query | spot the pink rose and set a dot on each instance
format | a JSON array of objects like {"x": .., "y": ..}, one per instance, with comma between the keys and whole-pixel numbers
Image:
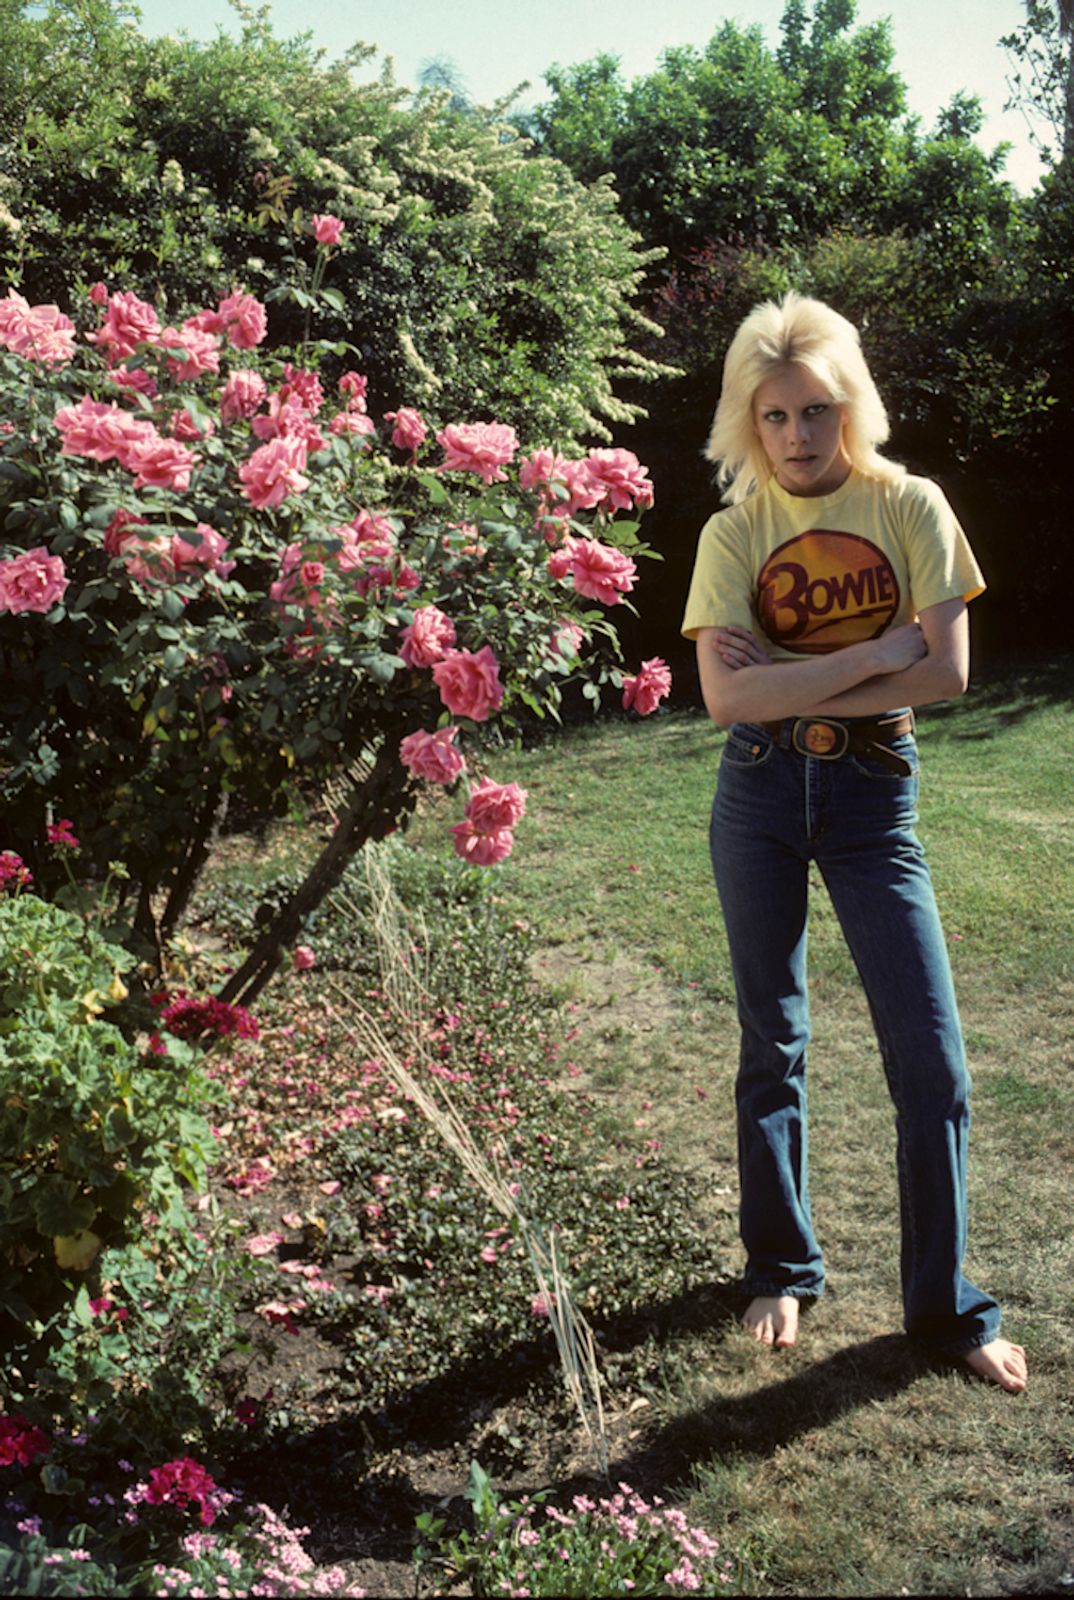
[
  {"x": 354, "y": 385},
  {"x": 601, "y": 572},
  {"x": 326, "y": 229},
  {"x": 481, "y": 849},
  {"x": 481, "y": 447},
  {"x": 302, "y": 387},
  {"x": 244, "y": 320},
  {"x": 427, "y": 638},
  {"x": 135, "y": 378},
  {"x": 469, "y": 683},
  {"x": 128, "y": 323},
  {"x": 287, "y": 418},
  {"x": 160, "y": 463},
  {"x": 273, "y": 472},
  {"x": 541, "y": 470},
  {"x": 181, "y": 425},
  {"x": 102, "y": 431},
  {"x": 495, "y": 806},
  {"x": 645, "y": 691},
  {"x": 566, "y": 641},
  {"x": 242, "y": 395},
  {"x": 98, "y": 293},
  {"x": 148, "y": 561},
  {"x": 303, "y": 958},
  {"x": 203, "y": 549},
  {"x": 118, "y": 530},
  {"x": 40, "y": 333},
  {"x": 200, "y": 350},
  {"x": 621, "y": 477},
  {"x": 409, "y": 429},
  {"x": 433, "y": 756},
  {"x": 584, "y": 492},
  {"x": 353, "y": 422},
  {"x": 559, "y": 562},
  {"x": 33, "y": 581}
]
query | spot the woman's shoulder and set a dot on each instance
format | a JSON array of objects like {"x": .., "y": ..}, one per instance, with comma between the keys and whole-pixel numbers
[
  {"x": 911, "y": 497},
  {"x": 738, "y": 517}
]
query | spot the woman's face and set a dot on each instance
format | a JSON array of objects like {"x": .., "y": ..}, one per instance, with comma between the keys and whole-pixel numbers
[{"x": 800, "y": 428}]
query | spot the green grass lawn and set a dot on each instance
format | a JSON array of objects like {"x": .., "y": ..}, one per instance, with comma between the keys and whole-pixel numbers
[{"x": 845, "y": 1466}]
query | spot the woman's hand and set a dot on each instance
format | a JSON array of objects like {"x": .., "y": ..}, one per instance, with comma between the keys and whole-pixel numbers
[
  {"x": 899, "y": 648},
  {"x": 738, "y": 647}
]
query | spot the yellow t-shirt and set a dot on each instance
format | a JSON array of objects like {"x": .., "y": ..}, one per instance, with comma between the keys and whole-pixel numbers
[{"x": 810, "y": 574}]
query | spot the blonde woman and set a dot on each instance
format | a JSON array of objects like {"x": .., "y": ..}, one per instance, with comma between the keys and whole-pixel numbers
[{"x": 829, "y": 598}]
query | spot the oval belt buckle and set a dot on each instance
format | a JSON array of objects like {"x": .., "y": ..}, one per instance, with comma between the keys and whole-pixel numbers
[{"x": 825, "y": 740}]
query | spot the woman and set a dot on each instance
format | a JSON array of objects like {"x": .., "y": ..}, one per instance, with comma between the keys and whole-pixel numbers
[{"x": 827, "y": 600}]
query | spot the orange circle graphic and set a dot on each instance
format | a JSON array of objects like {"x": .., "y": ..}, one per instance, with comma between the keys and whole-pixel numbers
[
  {"x": 823, "y": 590},
  {"x": 819, "y": 738}
]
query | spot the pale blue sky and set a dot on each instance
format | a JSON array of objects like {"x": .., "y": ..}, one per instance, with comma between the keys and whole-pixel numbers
[{"x": 941, "y": 45}]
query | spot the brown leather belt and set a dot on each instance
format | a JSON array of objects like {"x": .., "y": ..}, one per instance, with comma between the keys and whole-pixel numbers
[{"x": 829, "y": 738}]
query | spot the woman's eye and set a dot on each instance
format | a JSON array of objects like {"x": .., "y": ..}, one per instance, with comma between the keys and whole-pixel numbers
[{"x": 816, "y": 410}]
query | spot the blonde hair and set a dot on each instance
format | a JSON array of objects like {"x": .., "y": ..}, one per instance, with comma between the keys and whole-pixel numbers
[{"x": 806, "y": 333}]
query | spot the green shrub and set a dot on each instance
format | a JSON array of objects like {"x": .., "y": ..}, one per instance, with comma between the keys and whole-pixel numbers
[{"x": 94, "y": 1131}]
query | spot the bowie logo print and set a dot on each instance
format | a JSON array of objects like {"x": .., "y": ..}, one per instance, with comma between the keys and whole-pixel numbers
[{"x": 823, "y": 590}]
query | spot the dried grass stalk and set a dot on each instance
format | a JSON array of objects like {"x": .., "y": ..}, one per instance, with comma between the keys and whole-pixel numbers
[{"x": 405, "y": 988}]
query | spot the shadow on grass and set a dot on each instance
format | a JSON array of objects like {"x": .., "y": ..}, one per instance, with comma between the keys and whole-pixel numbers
[
  {"x": 769, "y": 1418},
  {"x": 427, "y": 1433},
  {"x": 1005, "y": 692}
]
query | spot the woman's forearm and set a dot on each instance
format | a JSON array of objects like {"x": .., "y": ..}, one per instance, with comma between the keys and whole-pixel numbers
[
  {"x": 913, "y": 687},
  {"x": 791, "y": 689}
]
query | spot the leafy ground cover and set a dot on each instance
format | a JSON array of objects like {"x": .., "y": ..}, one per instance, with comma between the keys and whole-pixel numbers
[{"x": 383, "y": 1330}]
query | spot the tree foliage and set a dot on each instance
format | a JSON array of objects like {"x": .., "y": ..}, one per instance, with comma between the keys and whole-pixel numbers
[
  {"x": 478, "y": 275},
  {"x": 740, "y": 141}
]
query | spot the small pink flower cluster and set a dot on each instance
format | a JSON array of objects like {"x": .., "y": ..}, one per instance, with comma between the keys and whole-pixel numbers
[
  {"x": 32, "y": 581},
  {"x": 39, "y": 333},
  {"x": 20, "y": 1441},
  {"x": 187, "y": 1018},
  {"x": 61, "y": 833},
  {"x": 105, "y": 1306},
  {"x": 13, "y": 870},
  {"x": 184, "y": 1482}
]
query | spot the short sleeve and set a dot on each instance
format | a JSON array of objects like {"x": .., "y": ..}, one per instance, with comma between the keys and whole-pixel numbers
[
  {"x": 721, "y": 589},
  {"x": 941, "y": 564}
]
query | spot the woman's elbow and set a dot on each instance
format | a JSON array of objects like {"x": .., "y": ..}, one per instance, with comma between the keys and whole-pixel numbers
[
  {"x": 720, "y": 711},
  {"x": 954, "y": 677}
]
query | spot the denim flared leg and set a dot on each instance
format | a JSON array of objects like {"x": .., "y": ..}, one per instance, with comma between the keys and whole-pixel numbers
[
  {"x": 775, "y": 811},
  {"x": 876, "y": 874},
  {"x": 761, "y": 876}
]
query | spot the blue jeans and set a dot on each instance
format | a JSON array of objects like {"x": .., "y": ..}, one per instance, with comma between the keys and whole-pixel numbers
[{"x": 776, "y": 811}]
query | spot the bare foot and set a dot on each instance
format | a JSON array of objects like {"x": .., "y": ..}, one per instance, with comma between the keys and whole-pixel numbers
[
  {"x": 999, "y": 1362},
  {"x": 773, "y": 1319}
]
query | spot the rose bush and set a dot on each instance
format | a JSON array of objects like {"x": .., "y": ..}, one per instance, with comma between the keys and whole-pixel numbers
[{"x": 220, "y": 578}]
